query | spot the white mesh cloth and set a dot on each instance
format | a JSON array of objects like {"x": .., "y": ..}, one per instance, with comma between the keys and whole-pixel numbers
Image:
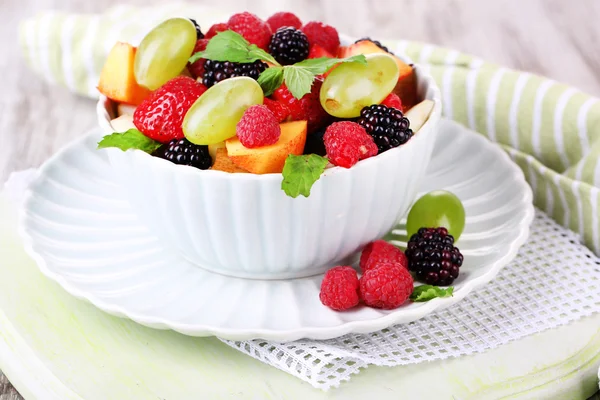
[{"x": 553, "y": 280}]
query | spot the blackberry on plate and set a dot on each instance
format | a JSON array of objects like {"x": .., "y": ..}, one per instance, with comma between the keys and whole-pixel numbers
[
  {"x": 375, "y": 42},
  {"x": 432, "y": 256},
  {"x": 289, "y": 45},
  {"x": 315, "y": 144},
  {"x": 216, "y": 71},
  {"x": 199, "y": 34},
  {"x": 388, "y": 126},
  {"x": 183, "y": 152}
]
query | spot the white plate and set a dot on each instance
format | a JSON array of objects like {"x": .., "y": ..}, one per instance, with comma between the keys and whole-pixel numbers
[{"x": 81, "y": 231}]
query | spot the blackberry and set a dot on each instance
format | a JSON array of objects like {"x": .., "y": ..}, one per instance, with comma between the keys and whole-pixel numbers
[
  {"x": 181, "y": 151},
  {"x": 289, "y": 45},
  {"x": 432, "y": 256},
  {"x": 199, "y": 34},
  {"x": 315, "y": 144},
  {"x": 216, "y": 71},
  {"x": 388, "y": 126},
  {"x": 375, "y": 42}
]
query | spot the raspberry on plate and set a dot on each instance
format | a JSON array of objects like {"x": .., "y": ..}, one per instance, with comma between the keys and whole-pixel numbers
[
  {"x": 393, "y": 101},
  {"x": 347, "y": 142},
  {"x": 281, "y": 19},
  {"x": 197, "y": 68},
  {"x": 324, "y": 35},
  {"x": 281, "y": 111},
  {"x": 258, "y": 127},
  {"x": 307, "y": 108},
  {"x": 380, "y": 252},
  {"x": 161, "y": 114},
  {"x": 216, "y": 28},
  {"x": 387, "y": 286},
  {"x": 252, "y": 28},
  {"x": 339, "y": 289}
]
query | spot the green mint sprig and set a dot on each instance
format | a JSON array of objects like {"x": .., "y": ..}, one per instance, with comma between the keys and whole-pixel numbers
[
  {"x": 231, "y": 46},
  {"x": 301, "y": 172},
  {"x": 428, "y": 292},
  {"x": 131, "y": 139}
]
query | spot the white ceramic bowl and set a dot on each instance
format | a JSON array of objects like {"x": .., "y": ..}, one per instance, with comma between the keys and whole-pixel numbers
[{"x": 244, "y": 225}]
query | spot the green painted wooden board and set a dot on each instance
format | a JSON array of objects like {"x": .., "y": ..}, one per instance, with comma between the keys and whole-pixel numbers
[{"x": 53, "y": 346}]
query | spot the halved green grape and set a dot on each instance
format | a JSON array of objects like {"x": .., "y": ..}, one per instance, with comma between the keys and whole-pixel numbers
[
  {"x": 213, "y": 117},
  {"x": 436, "y": 209},
  {"x": 352, "y": 86},
  {"x": 164, "y": 52}
]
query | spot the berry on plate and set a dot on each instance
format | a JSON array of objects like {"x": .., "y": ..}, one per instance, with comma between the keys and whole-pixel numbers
[
  {"x": 347, "y": 142},
  {"x": 388, "y": 126},
  {"x": 432, "y": 256},
  {"x": 216, "y": 28},
  {"x": 387, "y": 286},
  {"x": 307, "y": 108},
  {"x": 160, "y": 116},
  {"x": 392, "y": 101},
  {"x": 181, "y": 151},
  {"x": 281, "y": 19},
  {"x": 379, "y": 252},
  {"x": 339, "y": 289},
  {"x": 288, "y": 45},
  {"x": 279, "y": 109},
  {"x": 324, "y": 35},
  {"x": 197, "y": 67},
  {"x": 258, "y": 127},
  {"x": 252, "y": 28}
]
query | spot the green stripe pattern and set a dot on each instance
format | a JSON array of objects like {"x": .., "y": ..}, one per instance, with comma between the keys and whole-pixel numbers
[{"x": 552, "y": 131}]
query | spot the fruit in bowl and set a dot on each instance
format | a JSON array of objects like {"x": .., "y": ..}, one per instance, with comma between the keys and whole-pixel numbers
[{"x": 263, "y": 155}]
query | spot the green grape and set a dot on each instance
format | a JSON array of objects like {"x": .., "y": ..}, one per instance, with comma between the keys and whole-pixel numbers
[
  {"x": 213, "y": 117},
  {"x": 436, "y": 209},
  {"x": 164, "y": 52},
  {"x": 352, "y": 86}
]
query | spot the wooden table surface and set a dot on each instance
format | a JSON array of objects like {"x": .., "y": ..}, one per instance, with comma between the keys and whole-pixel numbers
[{"x": 556, "y": 38}]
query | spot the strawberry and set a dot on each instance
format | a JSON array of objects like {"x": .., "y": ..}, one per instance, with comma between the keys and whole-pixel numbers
[
  {"x": 197, "y": 68},
  {"x": 161, "y": 114},
  {"x": 280, "y": 110},
  {"x": 317, "y": 51}
]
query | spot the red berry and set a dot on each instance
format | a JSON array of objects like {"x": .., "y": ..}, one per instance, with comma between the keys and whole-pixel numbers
[
  {"x": 347, "y": 142},
  {"x": 339, "y": 289},
  {"x": 387, "y": 286},
  {"x": 161, "y": 114},
  {"x": 216, "y": 28},
  {"x": 324, "y": 35},
  {"x": 317, "y": 51},
  {"x": 252, "y": 28},
  {"x": 197, "y": 68},
  {"x": 381, "y": 251},
  {"x": 281, "y": 19},
  {"x": 258, "y": 127},
  {"x": 307, "y": 108},
  {"x": 393, "y": 101},
  {"x": 281, "y": 111}
]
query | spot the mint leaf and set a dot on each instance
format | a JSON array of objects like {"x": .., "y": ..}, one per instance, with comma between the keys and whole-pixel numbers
[
  {"x": 298, "y": 80},
  {"x": 231, "y": 46},
  {"x": 301, "y": 172},
  {"x": 270, "y": 79},
  {"x": 132, "y": 139},
  {"x": 427, "y": 292},
  {"x": 319, "y": 66}
]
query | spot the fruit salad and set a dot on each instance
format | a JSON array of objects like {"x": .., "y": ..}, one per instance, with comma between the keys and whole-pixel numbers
[{"x": 262, "y": 97}]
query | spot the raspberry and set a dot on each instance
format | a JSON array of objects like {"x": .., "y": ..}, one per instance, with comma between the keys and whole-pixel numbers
[
  {"x": 216, "y": 28},
  {"x": 347, "y": 143},
  {"x": 339, "y": 289},
  {"x": 380, "y": 251},
  {"x": 307, "y": 108},
  {"x": 161, "y": 114},
  {"x": 324, "y": 35},
  {"x": 432, "y": 255},
  {"x": 280, "y": 19},
  {"x": 289, "y": 46},
  {"x": 197, "y": 68},
  {"x": 388, "y": 126},
  {"x": 393, "y": 101},
  {"x": 252, "y": 28},
  {"x": 279, "y": 109},
  {"x": 199, "y": 34},
  {"x": 387, "y": 286},
  {"x": 258, "y": 127},
  {"x": 183, "y": 152}
]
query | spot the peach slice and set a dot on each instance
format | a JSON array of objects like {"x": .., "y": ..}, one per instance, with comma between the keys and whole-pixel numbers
[{"x": 224, "y": 163}]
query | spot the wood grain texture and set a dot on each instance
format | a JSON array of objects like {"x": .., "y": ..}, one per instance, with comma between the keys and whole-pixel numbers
[{"x": 555, "y": 38}]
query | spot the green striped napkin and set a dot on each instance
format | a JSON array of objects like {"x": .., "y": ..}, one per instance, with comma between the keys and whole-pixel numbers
[{"x": 552, "y": 131}]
